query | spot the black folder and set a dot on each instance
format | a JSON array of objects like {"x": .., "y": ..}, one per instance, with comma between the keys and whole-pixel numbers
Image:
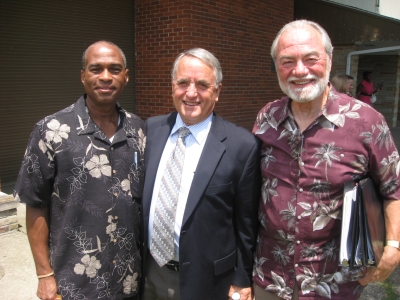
[{"x": 363, "y": 225}]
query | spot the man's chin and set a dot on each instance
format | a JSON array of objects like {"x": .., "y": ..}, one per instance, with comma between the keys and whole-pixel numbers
[
  {"x": 189, "y": 110},
  {"x": 306, "y": 96},
  {"x": 101, "y": 100},
  {"x": 301, "y": 99}
]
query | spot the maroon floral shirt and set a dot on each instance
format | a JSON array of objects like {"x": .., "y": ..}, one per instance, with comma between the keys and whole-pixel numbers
[{"x": 303, "y": 176}]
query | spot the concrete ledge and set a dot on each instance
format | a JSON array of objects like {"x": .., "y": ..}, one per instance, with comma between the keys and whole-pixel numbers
[
  {"x": 8, "y": 213},
  {"x": 7, "y": 202},
  {"x": 8, "y": 228},
  {"x": 9, "y": 220},
  {"x": 6, "y": 198},
  {"x": 8, "y": 205}
]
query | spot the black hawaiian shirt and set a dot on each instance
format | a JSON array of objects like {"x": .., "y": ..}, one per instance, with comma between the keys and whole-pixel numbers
[{"x": 92, "y": 187}]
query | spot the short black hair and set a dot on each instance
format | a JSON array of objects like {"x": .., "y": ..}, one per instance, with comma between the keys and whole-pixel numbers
[
  {"x": 102, "y": 42},
  {"x": 366, "y": 73}
]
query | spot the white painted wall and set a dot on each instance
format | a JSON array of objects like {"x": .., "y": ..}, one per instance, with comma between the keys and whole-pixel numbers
[{"x": 390, "y": 8}]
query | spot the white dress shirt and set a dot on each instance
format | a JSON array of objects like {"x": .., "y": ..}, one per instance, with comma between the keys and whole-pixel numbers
[{"x": 194, "y": 147}]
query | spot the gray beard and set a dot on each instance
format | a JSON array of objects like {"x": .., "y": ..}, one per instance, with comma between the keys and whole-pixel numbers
[{"x": 302, "y": 95}]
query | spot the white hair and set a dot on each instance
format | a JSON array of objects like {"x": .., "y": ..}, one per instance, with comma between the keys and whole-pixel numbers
[
  {"x": 207, "y": 57},
  {"x": 303, "y": 24}
]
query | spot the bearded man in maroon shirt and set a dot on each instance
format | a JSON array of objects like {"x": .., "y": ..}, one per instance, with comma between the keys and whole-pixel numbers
[{"x": 314, "y": 140}]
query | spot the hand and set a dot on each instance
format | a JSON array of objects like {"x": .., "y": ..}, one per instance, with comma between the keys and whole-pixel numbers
[
  {"x": 47, "y": 288},
  {"x": 389, "y": 261},
  {"x": 245, "y": 293}
]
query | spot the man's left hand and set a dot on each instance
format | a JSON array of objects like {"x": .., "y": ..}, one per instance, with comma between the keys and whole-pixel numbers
[
  {"x": 245, "y": 293},
  {"x": 389, "y": 261}
]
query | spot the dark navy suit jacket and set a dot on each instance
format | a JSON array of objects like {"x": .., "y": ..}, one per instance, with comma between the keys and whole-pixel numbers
[{"x": 220, "y": 223}]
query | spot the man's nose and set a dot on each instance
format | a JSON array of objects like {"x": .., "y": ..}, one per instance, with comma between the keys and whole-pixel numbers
[
  {"x": 105, "y": 75},
  {"x": 191, "y": 90},
  {"x": 300, "y": 69}
]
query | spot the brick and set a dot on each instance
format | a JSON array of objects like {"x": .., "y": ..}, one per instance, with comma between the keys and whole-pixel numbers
[
  {"x": 9, "y": 220},
  {"x": 6, "y": 198},
  {"x": 7, "y": 228},
  {"x": 8, "y": 205},
  {"x": 239, "y": 33},
  {"x": 8, "y": 212}
]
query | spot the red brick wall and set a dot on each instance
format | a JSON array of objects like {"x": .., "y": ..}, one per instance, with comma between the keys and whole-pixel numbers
[{"x": 239, "y": 33}]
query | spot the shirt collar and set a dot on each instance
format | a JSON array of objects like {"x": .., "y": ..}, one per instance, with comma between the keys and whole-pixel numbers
[
  {"x": 337, "y": 105},
  {"x": 199, "y": 130},
  {"x": 332, "y": 110},
  {"x": 85, "y": 124}
]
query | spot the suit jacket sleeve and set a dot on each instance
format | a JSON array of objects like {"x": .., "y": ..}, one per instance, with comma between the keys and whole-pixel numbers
[{"x": 246, "y": 218}]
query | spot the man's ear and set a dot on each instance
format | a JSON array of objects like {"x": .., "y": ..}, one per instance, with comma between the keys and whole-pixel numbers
[
  {"x": 217, "y": 91},
  {"x": 126, "y": 76},
  {"x": 83, "y": 76}
]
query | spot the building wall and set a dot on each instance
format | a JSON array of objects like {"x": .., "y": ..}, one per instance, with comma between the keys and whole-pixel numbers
[
  {"x": 239, "y": 33},
  {"x": 40, "y": 57},
  {"x": 369, "y": 5},
  {"x": 346, "y": 24},
  {"x": 390, "y": 8},
  {"x": 397, "y": 90},
  {"x": 339, "y": 61},
  {"x": 385, "y": 68}
]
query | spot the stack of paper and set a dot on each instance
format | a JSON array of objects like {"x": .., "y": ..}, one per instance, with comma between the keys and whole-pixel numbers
[{"x": 363, "y": 225}]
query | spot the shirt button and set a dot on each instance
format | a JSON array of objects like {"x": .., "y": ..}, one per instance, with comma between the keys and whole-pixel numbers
[
  {"x": 116, "y": 218},
  {"x": 296, "y": 265},
  {"x": 112, "y": 148},
  {"x": 342, "y": 155},
  {"x": 300, "y": 190},
  {"x": 114, "y": 261},
  {"x": 302, "y": 164},
  {"x": 299, "y": 217},
  {"x": 114, "y": 171},
  {"x": 115, "y": 240},
  {"x": 297, "y": 242},
  {"x": 115, "y": 194}
]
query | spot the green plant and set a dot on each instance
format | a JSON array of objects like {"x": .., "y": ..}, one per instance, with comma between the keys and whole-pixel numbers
[{"x": 390, "y": 290}]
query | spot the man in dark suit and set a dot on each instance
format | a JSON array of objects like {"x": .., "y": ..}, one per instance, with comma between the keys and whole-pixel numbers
[{"x": 207, "y": 252}]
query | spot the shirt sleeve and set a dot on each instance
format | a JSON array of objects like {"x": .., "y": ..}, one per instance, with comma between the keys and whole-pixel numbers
[
  {"x": 384, "y": 161},
  {"x": 34, "y": 185}
]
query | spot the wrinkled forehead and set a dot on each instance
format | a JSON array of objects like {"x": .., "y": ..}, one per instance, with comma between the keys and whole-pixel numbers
[
  {"x": 303, "y": 39},
  {"x": 191, "y": 66}
]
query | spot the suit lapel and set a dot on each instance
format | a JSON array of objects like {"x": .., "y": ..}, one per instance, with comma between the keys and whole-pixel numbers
[
  {"x": 156, "y": 144},
  {"x": 211, "y": 155}
]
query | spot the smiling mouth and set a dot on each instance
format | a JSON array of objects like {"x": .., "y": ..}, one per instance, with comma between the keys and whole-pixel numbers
[
  {"x": 190, "y": 103},
  {"x": 105, "y": 89},
  {"x": 301, "y": 82}
]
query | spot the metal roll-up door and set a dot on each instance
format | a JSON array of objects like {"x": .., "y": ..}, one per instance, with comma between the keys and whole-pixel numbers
[{"x": 41, "y": 47}]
